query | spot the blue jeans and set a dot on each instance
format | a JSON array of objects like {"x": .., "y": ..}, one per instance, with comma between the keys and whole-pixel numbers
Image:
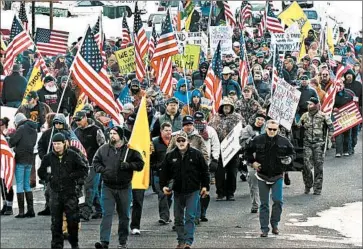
[
  {"x": 264, "y": 191},
  {"x": 165, "y": 201},
  {"x": 97, "y": 200},
  {"x": 122, "y": 199},
  {"x": 22, "y": 177},
  {"x": 185, "y": 209}
]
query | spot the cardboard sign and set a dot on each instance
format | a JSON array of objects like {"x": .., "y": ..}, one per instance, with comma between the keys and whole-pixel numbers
[
  {"x": 223, "y": 34},
  {"x": 284, "y": 103},
  {"x": 346, "y": 118},
  {"x": 190, "y": 59},
  {"x": 126, "y": 60},
  {"x": 230, "y": 145},
  {"x": 286, "y": 41}
]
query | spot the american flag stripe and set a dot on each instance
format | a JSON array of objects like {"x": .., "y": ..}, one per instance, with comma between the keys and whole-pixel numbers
[
  {"x": 272, "y": 22},
  {"x": 98, "y": 85},
  {"x": 141, "y": 44},
  {"x": 262, "y": 25},
  {"x": 51, "y": 42},
  {"x": 213, "y": 81},
  {"x": 229, "y": 15},
  {"x": 22, "y": 15},
  {"x": 243, "y": 67},
  {"x": 350, "y": 108},
  {"x": 245, "y": 13},
  {"x": 91, "y": 76},
  {"x": 126, "y": 37},
  {"x": 19, "y": 43},
  {"x": 165, "y": 75},
  {"x": 7, "y": 163}
]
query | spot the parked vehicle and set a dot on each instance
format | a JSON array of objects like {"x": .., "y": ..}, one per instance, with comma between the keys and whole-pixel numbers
[{"x": 302, "y": 3}]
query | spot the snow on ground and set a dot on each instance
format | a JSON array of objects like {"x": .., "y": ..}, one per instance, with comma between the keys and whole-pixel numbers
[{"x": 347, "y": 220}]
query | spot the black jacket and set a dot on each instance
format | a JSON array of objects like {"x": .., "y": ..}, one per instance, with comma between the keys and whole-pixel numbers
[
  {"x": 65, "y": 172},
  {"x": 189, "y": 172},
  {"x": 88, "y": 138},
  {"x": 306, "y": 93},
  {"x": 356, "y": 87},
  {"x": 157, "y": 157},
  {"x": 13, "y": 88},
  {"x": 269, "y": 153},
  {"x": 107, "y": 161},
  {"x": 69, "y": 101},
  {"x": 342, "y": 98},
  {"x": 51, "y": 99},
  {"x": 44, "y": 140},
  {"x": 24, "y": 141}
]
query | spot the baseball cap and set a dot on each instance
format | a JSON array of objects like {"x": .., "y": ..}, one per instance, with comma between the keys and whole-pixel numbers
[
  {"x": 313, "y": 100},
  {"x": 182, "y": 134},
  {"x": 80, "y": 115},
  {"x": 199, "y": 116},
  {"x": 188, "y": 120}
]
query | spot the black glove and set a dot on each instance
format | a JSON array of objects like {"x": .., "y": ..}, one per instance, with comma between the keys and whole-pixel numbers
[
  {"x": 213, "y": 166},
  {"x": 125, "y": 166}
]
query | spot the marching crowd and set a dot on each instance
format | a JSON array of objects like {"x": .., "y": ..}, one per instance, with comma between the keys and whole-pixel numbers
[{"x": 186, "y": 136}]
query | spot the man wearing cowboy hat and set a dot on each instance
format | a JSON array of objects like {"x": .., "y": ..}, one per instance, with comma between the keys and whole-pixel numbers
[
  {"x": 228, "y": 84},
  {"x": 14, "y": 87}
]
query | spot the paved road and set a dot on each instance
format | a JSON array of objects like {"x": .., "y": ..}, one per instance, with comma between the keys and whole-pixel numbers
[{"x": 231, "y": 225}]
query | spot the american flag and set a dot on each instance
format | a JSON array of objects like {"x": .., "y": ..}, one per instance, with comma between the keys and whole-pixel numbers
[
  {"x": 7, "y": 163},
  {"x": 167, "y": 45},
  {"x": 100, "y": 38},
  {"x": 277, "y": 69},
  {"x": 245, "y": 13},
  {"x": 22, "y": 15},
  {"x": 126, "y": 37},
  {"x": 91, "y": 76},
  {"x": 272, "y": 22},
  {"x": 351, "y": 108},
  {"x": 141, "y": 44},
  {"x": 161, "y": 61},
  {"x": 51, "y": 42},
  {"x": 243, "y": 66},
  {"x": 262, "y": 25},
  {"x": 43, "y": 65},
  {"x": 76, "y": 143},
  {"x": 229, "y": 15},
  {"x": 213, "y": 81},
  {"x": 329, "y": 100},
  {"x": 152, "y": 43},
  {"x": 19, "y": 42}
]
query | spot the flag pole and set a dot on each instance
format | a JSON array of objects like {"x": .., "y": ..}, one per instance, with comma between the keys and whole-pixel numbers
[
  {"x": 64, "y": 90},
  {"x": 273, "y": 66},
  {"x": 182, "y": 62}
]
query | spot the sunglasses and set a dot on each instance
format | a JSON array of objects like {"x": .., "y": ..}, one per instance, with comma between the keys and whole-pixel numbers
[
  {"x": 325, "y": 74},
  {"x": 271, "y": 129},
  {"x": 181, "y": 140},
  {"x": 58, "y": 123}
]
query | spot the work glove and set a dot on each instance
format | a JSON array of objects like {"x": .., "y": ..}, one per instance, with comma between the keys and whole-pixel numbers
[
  {"x": 125, "y": 166},
  {"x": 287, "y": 160}
]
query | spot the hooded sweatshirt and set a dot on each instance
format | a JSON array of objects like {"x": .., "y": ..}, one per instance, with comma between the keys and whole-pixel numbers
[{"x": 182, "y": 96}]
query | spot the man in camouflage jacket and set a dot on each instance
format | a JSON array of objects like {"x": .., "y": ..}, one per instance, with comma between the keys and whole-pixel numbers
[
  {"x": 314, "y": 123},
  {"x": 223, "y": 123}
]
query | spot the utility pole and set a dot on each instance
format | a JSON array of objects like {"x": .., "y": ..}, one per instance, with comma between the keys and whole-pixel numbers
[
  {"x": 33, "y": 19},
  {"x": 50, "y": 14}
]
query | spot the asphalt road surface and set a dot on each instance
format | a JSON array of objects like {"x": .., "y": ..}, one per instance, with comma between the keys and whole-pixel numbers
[{"x": 231, "y": 225}]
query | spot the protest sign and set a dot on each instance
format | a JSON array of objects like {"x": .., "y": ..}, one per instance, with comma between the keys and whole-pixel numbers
[
  {"x": 284, "y": 103},
  {"x": 286, "y": 41},
  {"x": 223, "y": 34},
  {"x": 126, "y": 60},
  {"x": 346, "y": 118},
  {"x": 190, "y": 59},
  {"x": 230, "y": 145}
]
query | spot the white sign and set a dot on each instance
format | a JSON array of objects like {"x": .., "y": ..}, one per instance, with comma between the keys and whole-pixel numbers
[
  {"x": 223, "y": 34},
  {"x": 8, "y": 112},
  {"x": 230, "y": 145},
  {"x": 284, "y": 103},
  {"x": 286, "y": 41}
]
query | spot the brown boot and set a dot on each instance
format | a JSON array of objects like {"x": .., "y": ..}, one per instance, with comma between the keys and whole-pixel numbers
[
  {"x": 20, "y": 205},
  {"x": 30, "y": 205}
]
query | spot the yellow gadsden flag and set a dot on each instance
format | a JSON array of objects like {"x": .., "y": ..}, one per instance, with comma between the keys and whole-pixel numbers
[
  {"x": 81, "y": 102},
  {"x": 330, "y": 40},
  {"x": 293, "y": 14},
  {"x": 140, "y": 141},
  {"x": 35, "y": 82}
]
